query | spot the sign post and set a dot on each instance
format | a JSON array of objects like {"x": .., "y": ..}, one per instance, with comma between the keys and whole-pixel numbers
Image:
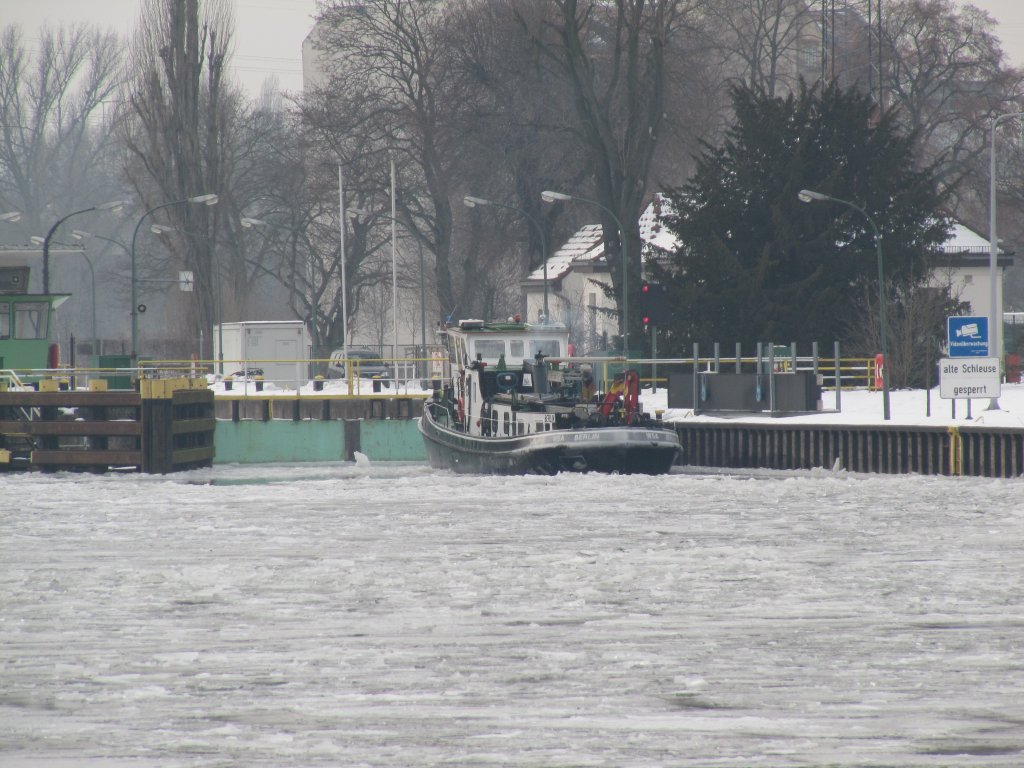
[{"x": 968, "y": 373}]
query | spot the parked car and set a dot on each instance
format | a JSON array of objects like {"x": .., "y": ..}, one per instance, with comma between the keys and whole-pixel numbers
[{"x": 366, "y": 363}]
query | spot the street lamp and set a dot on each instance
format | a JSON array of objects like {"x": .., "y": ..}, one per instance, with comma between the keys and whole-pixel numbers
[
  {"x": 205, "y": 199},
  {"x": 78, "y": 234},
  {"x": 472, "y": 202},
  {"x": 552, "y": 197},
  {"x": 810, "y": 196},
  {"x": 995, "y": 314},
  {"x": 113, "y": 205}
]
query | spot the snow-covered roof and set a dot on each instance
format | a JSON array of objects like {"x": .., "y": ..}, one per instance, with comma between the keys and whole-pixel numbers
[
  {"x": 965, "y": 240},
  {"x": 587, "y": 244}
]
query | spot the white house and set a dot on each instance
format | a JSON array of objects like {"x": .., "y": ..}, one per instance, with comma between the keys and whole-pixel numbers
[
  {"x": 964, "y": 268},
  {"x": 578, "y": 282}
]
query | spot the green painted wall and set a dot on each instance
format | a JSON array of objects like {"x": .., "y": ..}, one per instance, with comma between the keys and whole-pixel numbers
[
  {"x": 256, "y": 442},
  {"x": 392, "y": 440}
]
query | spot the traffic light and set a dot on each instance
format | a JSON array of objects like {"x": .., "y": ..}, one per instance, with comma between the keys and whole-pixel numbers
[
  {"x": 645, "y": 297},
  {"x": 654, "y": 304}
]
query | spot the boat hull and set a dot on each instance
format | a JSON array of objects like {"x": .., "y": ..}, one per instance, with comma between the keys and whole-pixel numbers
[{"x": 626, "y": 450}]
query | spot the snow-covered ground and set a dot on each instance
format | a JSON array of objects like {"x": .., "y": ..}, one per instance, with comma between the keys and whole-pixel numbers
[
  {"x": 393, "y": 615},
  {"x": 907, "y": 406}
]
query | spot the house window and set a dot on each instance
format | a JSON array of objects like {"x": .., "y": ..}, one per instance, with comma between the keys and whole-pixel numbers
[{"x": 30, "y": 320}]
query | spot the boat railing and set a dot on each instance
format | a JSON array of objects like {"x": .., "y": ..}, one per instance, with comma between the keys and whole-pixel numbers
[{"x": 439, "y": 411}]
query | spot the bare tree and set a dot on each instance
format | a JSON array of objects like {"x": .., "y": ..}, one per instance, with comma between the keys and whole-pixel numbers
[
  {"x": 613, "y": 56},
  {"x": 53, "y": 143},
  {"x": 175, "y": 127},
  {"x": 770, "y": 43},
  {"x": 57, "y": 156},
  {"x": 388, "y": 56},
  {"x": 947, "y": 79}
]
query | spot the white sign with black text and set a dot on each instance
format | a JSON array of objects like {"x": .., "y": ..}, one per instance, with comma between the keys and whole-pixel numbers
[{"x": 966, "y": 377}]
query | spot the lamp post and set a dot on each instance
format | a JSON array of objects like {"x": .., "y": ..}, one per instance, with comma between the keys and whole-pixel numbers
[
  {"x": 472, "y": 202},
  {"x": 206, "y": 199},
  {"x": 550, "y": 197},
  {"x": 995, "y": 315},
  {"x": 810, "y": 196},
  {"x": 113, "y": 205},
  {"x": 78, "y": 234}
]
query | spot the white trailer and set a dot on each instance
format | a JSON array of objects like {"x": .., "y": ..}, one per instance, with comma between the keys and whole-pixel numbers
[{"x": 278, "y": 348}]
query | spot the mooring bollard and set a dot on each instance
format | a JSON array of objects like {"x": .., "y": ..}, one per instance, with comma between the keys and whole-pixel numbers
[
  {"x": 318, "y": 383},
  {"x": 259, "y": 383},
  {"x": 228, "y": 383}
]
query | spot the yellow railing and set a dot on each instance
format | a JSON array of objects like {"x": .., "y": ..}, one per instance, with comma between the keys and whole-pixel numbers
[
  {"x": 853, "y": 373},
  {"x": 410, "y": 374}
]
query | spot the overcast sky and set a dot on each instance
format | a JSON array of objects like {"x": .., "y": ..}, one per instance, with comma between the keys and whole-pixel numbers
[{"x": 269, "y": 33}]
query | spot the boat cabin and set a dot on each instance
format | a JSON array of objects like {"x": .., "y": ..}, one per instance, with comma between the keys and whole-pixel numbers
[
  {"x": 502, "y": 383},
  {"x": 508, "y": 344}
]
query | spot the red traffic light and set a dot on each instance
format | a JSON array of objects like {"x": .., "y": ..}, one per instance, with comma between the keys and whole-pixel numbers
[{"x": 645, "y": 287}]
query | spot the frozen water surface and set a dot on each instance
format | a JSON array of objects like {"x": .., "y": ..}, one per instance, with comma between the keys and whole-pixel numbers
[{"x": 392, "y": 615}]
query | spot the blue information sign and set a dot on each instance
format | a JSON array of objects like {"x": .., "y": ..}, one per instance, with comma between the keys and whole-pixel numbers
[{"x": 967, "y": 336}]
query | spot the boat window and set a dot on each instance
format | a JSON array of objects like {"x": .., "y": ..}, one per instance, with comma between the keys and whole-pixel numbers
[
  {"x": 506, "y": 422},
  {"x": 489, "y": 349},
  {"x": 5, "y": 321},
  {"x": 522, "y": 428},
  {"x": 30, "y": 320},
  {"x": 515, "y": 349},
  {"x": 547, "y": 347}
]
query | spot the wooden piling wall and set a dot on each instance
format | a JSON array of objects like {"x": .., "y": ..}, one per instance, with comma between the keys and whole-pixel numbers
[
  {"x": 973, "y": 451},
  {"x": 166, "y": 427}
]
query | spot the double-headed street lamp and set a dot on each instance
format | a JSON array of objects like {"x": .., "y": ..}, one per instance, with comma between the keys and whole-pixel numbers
[
  {"x": 995, "y": 315},
  {"x": 206, "y": 199},
  {"x": 472, "y": 202},
  {"x": 810, "y": 196},
  {"x": 113, "y": 205},
  {"x": 550, "y": 197}
]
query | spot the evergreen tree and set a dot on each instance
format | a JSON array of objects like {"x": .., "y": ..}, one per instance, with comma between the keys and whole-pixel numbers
[{"x": 756, "y": 264}]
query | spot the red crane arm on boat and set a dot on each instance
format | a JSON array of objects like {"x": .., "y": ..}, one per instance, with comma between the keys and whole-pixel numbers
[{"x": 626, "y": 386}]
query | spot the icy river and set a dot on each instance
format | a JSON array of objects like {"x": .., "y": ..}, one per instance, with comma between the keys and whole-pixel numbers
[{"x": 392, "y": 615}]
